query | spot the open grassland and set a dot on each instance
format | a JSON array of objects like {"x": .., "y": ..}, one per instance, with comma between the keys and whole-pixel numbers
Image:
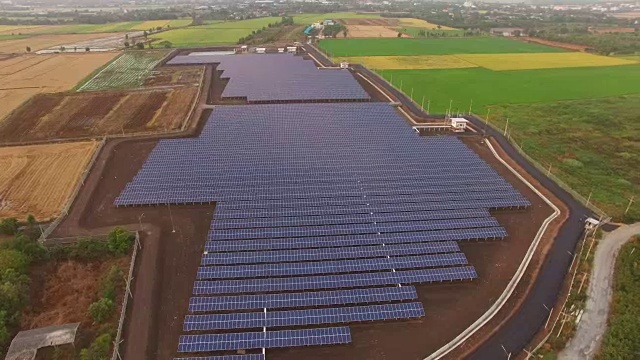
[
  {"x": 95, "y": 114},
  {"x": 129, "y": 70},
  {"x": 19, "y": 45},
  {"x": 311, "y": 18},
  {"x": 499, "y": 62},
  {"x": 418, "y": 23},
  {"x": 620, "y": 340},
  {"x": 24, "y": 76},
  {"x": 154, "y": 24},
  {"x": 39, "y": 179},
  {"x": 218, "y": 33},
  {"x": 486, "y": 87},
  {"x": 592, "y": 145},
  {"x": 409, "y": 62},
  {"x": 439, "y": 46}
]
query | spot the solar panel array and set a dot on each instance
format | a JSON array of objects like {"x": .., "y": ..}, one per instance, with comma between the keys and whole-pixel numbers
[
  {"x": 278, "y": 77},
  {"x": 325, "y": 214}
]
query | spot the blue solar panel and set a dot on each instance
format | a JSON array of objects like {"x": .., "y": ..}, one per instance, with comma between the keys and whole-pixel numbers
[
  {"x": 330, "y": 267},
  {"x": 306, "y": 299},
  {"x": 355, "y": 240},
  {"x": 303, "y": 317},
  {"x": 328, "y": 253},
  {"x": 334, "y": 281},
  {"x": 269, "y": 339},
  {"x": 226, "y": 357}
]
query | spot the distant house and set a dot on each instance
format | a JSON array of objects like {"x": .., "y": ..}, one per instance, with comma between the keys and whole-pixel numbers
[{"x": 508, "y": 31}]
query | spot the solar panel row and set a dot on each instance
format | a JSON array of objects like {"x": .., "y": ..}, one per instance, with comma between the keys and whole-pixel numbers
[
  {"x": 226, "y": 357},
  {"x": 305, "y": 299},
  {"x": 268, "y": 339},
  {"x": 303, "y": 317}
]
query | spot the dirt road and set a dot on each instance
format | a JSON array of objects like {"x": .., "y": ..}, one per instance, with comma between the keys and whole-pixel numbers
[{"x": 588, "y": 337}]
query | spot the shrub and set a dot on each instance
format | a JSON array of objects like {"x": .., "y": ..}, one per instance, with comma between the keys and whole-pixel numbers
[
  {"x": 9, "y": 226},
  {"x": 101, "y": 310},
  {"x": 13, "y": 259},
  {"x": 119, "y": 241},
  {"x": 89, "y": 249},
  {"x": 98, "y": 350},
  {"x": 110, "y": 282},
  {"x": 4, "y": 331}
]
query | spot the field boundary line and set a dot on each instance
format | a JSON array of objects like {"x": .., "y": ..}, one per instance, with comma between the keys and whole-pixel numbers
[
  {"x": 65, "y": 210},
  {"x": 506, "y": 294},
  {"x": 195, "y": 102},
  {"x": 125, "y": 301}
]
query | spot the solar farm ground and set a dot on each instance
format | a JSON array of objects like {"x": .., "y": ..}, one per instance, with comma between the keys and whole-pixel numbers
[{"x": 167, "y": 267}]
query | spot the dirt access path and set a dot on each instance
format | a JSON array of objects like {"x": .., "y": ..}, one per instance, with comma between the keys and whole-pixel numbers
[{"x": 585, "y": 343}]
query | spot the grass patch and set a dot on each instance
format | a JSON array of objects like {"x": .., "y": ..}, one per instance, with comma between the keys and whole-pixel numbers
[
  {"x": 621, "y": 340},
  {"x": 592, "y": 145},
  {"x": 486, "y": 87},
  {"x": 428, "y": 32},
  {"x": 13, "y": 37},
  {"x": 217, "y": 33},
  {"x": 439, "y": 46}
]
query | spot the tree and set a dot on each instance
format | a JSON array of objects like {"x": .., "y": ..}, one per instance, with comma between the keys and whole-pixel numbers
[
  {"x": 399, "y": 34},
  {"x": 126, "y": 36},
  {"x": 145, "y": 33},
  {"x": 166, "y": 44},
  {"x": 140, "y": 45},
  {"x": 126, "y": 44},
  {"x": 28, "y": 49},
  {"x": 101, "y": 310},
  {"x": 62, "y": 48},
  {"x": 119, "y": 240},
  {"x": 87, "y": 49},
  {"x": 9, "y": 226},
  {"x": 345, "y": 32}
]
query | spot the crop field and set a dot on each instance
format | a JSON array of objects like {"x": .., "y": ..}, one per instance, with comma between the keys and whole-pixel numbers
[
  {"x": 415, "y": 32},
  {"x": 217, "y": 33},
  {"x": 311, "y": 18},
  {"x": 499, "y": 62},
  {"x": 153, "y": 24},
  {"x": 39, "y": 179},
  {"x": 486, "y": 87},
  {"x": 65, "y": 116},
  {"x": 409, "y": 62},
  {"x": 129, "y": 70},
  {"x": 24, "y": 76},
  {"x": 591, "y": 145},
  {"x": 15, "y": 29},
  {"x": 439, "y": 46},
  {"x": 19, "y": 45},
  {"x": 419, "y": 23},
  {"x": 371, "y": 31}
]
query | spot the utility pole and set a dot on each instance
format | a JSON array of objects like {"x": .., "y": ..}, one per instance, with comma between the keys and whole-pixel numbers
[
  {"x": 411, "y": 93},
  {"x": 422, "y": 104},
  {"x": 428, "y": 105},
  {"x": 486, "y": 121},
  {"x": 589, "y": 198},
  {"x": 506, "y": 126},
  {"x": 470, "y": 104},
  {"x": 173, "y": 227},
  {"x": 629, "y": 206},
  {"x": 449, "y": 111}
]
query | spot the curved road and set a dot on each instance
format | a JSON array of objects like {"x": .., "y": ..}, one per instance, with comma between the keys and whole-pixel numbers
[
  {"x": 520, "y": 329},
  {"x": 586, "y": 341}
]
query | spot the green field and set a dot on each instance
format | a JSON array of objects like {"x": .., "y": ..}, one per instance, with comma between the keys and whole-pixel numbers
[
  {"x": 414, "y": 31},
  {"x": 12, "y": 37},
  {"x": 439, "y": 46},
  {"x": 620, "y": 341},
  {"x": 129, "y": 70},
  {"x": 486, "y": 87},
  {"x": 311, "y": 18},
  {"x": 592, "y": 145},
  {"x": 217, "y": 33}
]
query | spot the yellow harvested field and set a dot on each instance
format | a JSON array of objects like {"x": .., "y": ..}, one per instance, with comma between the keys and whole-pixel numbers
[
  {"x": 409, "y": 62},
  {"x": 371, "y": 31},
  {"x": 26, "y": 75},
  {"x": 15, "y": 29},
  {"x": 500, "y": 62},
  {"x": 422, "y": 24},
  {"x": 39, "y": 179},
  {"x": 39, "y": 42}
]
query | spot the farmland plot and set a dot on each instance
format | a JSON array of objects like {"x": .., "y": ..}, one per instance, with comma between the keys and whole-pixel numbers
[
  {"x": 130, "y": 70},
  {"x": 39, "y": 179}
]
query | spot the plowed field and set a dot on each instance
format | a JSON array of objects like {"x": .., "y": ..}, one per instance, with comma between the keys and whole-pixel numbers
[
  {"x": 39, "y": 179},
  {"x": 19, "y": 46},
  {"x": 24, "y": 76},
  {"x": 80, "y": 115},
  {"x": 378, "y": 22},
  {"x": 369, "y": 31}
]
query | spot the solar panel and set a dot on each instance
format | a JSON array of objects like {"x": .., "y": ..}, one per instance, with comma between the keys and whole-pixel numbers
[
  {"x": 333, "y": 281},
  {"x": 303, "y": 317},
  {"x": 305, "y": 299},
  {"x": 268, "y": 339},
  {"x": 329, "y": 253},
  {"x": 330, "y": 267},
  {"x": 226, "y": 357}
]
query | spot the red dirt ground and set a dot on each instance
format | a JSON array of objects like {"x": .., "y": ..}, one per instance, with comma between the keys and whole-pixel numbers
[
  {"x": 167, "y": 267},
  {"x": 557, "y": 44}
]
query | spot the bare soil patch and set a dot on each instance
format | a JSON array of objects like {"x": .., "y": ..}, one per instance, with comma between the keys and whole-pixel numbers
[
  {"x": 556, "y": 44},
  {"x": 39, "y": 179},
  {"x": 173, "y": 75},
  {"x": 378, "y": 22},
  {"x": 95, "y": 114},
  {"x": 368, "y": 31},
  {"x": 24, "y": 76}
]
